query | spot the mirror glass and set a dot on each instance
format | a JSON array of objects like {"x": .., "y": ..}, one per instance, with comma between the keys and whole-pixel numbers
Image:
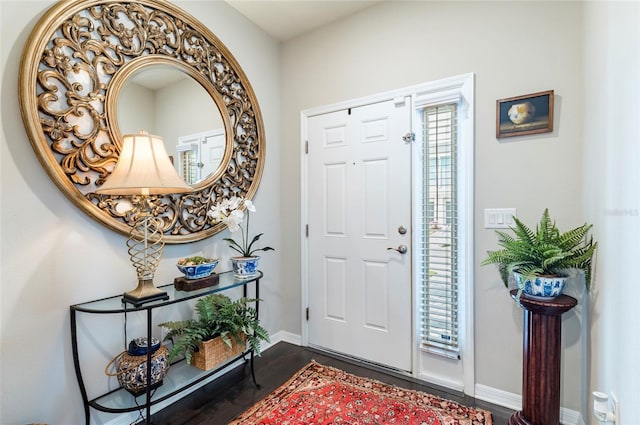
[{"x": 167, "y": 102}]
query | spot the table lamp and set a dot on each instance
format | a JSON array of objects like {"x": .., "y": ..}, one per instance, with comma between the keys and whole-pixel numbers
[{"x": 144, "y": 169}]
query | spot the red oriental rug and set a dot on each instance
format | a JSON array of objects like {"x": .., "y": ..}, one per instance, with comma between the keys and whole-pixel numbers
[{"x": 321, "y": 395}]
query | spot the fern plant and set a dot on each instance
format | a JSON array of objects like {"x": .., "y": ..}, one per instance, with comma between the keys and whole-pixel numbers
[
  {"x": 543, "y": 252},
  {"x": 219, "y": 316}
]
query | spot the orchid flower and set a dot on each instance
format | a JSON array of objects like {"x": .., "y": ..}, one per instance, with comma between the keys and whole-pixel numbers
[
  {"x": 217, "y": 213},
  {"x": 233, "y": 220},
  {"x": 230, "y": 211},
  {"x": 249, "y": 205}
]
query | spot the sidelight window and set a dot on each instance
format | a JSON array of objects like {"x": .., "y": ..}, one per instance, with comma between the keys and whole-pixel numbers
[{"x": 438, "y": 248}]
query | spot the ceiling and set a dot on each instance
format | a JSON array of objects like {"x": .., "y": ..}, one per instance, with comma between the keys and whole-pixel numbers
[
  {"x": 287, "y": 19},
  {"x": 282, "y": 19}
]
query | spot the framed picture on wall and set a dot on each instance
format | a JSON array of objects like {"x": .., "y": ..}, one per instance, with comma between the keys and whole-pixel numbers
[{"x": 527, "y": 114}]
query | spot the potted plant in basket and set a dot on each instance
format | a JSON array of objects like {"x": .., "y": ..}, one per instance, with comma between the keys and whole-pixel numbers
[
  {"x": 539, "y": 260},
  {"x": 221, "y": 331},
  {"x": 229, "y": 211}
]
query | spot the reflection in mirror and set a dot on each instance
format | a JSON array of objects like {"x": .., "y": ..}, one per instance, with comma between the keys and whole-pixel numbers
[
  {"x": 169, "y": 103},
  {"x": 200, "y": 154}
]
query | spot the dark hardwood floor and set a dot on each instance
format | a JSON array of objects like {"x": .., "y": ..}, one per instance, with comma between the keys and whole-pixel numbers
[{"x": 219, "y": 402}]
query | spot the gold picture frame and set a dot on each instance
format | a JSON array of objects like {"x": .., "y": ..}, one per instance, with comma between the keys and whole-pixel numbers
[{"x": 527, "y": 114}]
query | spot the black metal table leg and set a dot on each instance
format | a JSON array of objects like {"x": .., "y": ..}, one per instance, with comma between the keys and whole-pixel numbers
[{"x": 76, "y": 366}]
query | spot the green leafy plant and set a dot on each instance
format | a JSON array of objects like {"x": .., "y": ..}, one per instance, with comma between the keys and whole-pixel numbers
[
  {"x": 229, "y": 212},
  {"x": 193, "y": 261},
  {"x": 545, "y": 252},
  {"x": 219, "y": 316}
]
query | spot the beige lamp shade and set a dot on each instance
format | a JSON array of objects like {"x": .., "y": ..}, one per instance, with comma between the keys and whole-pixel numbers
[{"x": 144, "y": 168}]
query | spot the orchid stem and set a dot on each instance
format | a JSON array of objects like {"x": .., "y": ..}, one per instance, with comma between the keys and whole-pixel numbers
[{"x": 246, "y": 240}]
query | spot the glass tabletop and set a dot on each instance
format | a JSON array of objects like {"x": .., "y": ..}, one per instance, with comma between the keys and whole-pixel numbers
[{"x": 115, "y": 304}]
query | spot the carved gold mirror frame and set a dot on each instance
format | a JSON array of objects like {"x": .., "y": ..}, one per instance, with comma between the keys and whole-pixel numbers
[{"x": 75, "y": 62}]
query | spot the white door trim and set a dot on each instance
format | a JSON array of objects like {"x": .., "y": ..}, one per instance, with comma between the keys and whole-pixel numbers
[{"x": 464, "y": 85}]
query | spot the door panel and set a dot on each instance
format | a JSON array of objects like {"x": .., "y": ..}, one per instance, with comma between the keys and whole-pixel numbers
[
  {"x": 212, "y": 153},
  {"x": 376, "y": 199},
  {"x": 335, "y": 289},
  {"x": 376, "y": 294},
  {"x": 359, "y": 189},
  {"x": 335, "y": 190}
]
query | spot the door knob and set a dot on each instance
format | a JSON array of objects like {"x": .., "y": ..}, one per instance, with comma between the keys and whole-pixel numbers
[{"x": 402, "y": 249}]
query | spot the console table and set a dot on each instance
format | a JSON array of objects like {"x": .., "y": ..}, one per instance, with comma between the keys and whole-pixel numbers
[
  {"x": 541, "y": 359},
  {"x": 180, "y": 375}
]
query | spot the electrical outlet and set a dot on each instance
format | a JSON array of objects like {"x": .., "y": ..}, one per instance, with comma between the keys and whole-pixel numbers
[{"x": 616, "y": 409}]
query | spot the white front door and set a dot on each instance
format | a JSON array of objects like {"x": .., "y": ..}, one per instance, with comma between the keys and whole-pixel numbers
[
  {"x": 211, "y": 152},
  {"x": 359, "y": 243},
  {"x": 200, "y": 154}
]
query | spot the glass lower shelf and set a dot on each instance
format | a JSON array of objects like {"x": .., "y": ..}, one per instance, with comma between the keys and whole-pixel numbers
[{"x": 180, "y": 376}]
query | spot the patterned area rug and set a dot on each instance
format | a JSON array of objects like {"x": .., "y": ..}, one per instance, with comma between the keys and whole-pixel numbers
[{"x": 321, "y": 395}]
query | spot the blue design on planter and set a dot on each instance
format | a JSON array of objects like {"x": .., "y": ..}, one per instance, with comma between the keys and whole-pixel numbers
[
  {"x": 527, "y": 286},
  {"x": 244, "y": 267},
  {"x": 198, "y": 271},
  {"x": 542, "y": 286}
]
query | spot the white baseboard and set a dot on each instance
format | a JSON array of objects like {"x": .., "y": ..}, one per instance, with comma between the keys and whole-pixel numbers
[
  {"x": 499, "y": 397},
  {"x": 442, "y": 382},
  {"x": 571, "y": 417},
  {"x": 283, "y": 336},
  {"x": 514, "y": 402}
]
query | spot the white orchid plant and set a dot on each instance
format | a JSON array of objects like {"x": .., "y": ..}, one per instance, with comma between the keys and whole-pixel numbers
[{"x": 230, "y": 212}]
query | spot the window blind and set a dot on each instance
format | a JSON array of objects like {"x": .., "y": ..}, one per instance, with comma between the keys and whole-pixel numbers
[
  {"x": 438, "y": 251},
  {"x": 188, "y": 166}
]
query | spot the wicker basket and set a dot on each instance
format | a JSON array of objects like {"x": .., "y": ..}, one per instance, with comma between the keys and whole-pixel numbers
[{"x": 214, "y": 351}]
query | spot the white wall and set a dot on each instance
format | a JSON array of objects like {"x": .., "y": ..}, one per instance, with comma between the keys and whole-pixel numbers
[
  {"x": 53, "y": 255},
  {"x": 612, "y": 198},
  {"x": 195, "y": 112},
  {"x": 513, "y": 48},
  {"x": 136, "y": 109}
]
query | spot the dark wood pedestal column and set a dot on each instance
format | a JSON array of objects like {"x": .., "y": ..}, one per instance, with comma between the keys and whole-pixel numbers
[{"x": 541, "y": 359}]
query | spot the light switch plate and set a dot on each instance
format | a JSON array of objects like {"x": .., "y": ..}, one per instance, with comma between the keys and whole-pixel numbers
[{"x": 498, "y": 218}]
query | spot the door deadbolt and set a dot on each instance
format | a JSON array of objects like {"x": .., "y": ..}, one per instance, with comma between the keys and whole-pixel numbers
[{"x": 402, "y": 230}]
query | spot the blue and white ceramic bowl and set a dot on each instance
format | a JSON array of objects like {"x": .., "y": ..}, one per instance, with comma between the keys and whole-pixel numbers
[
  {"x": 139, "y": 346},
  {"x": 199, "y": 270},
  {"x": 541, "y": 286}
]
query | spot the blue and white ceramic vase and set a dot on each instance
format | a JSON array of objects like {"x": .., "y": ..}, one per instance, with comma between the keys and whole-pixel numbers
[
  {"x": 245, "y": 267},
  {"x": 547, "y": 287}
]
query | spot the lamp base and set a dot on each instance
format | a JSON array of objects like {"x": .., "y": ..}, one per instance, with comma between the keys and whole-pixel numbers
[{"x": 144, "y": 293}]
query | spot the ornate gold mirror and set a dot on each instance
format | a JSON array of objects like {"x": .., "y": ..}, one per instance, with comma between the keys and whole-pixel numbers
[{"x": 77, "y": 69}]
